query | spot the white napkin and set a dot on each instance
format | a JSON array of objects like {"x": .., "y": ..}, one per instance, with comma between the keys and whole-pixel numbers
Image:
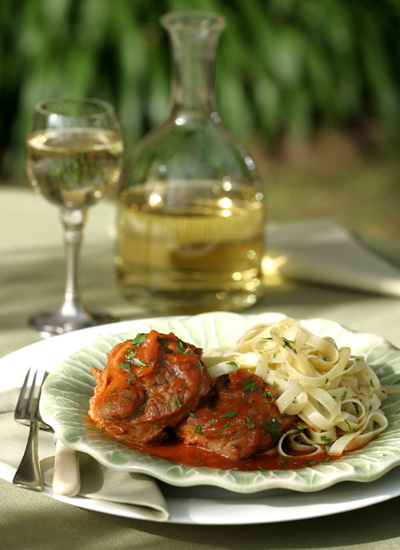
[
  {"x": 322, "y": 251},
  {"x": 139, "y": 492}
]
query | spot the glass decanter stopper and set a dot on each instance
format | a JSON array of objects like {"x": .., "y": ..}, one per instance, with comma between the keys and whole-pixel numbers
[{"x": 191, "y": 211}]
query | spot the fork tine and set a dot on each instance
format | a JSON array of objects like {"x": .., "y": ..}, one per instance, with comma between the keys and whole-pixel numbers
[
  {"x": 29, "y": 411},
  {"x": 21, "y": 398},
  {"x": 37, "y": 414}
]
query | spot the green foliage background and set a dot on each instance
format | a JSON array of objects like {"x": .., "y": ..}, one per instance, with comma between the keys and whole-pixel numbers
[{"x": 284, "y": 66}]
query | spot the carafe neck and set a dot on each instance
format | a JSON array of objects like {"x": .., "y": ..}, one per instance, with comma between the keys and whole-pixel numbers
[{"x": 194, "y": 37}]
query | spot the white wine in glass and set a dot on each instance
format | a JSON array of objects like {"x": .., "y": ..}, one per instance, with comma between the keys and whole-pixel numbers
[{"x": 74, "y": 159}]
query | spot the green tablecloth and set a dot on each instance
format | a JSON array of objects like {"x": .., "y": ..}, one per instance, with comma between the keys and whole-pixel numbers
[{"x": 32, "y": 278}]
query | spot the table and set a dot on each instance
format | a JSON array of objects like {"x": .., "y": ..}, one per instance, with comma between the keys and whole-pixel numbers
[{"x": 32, "y": 278}]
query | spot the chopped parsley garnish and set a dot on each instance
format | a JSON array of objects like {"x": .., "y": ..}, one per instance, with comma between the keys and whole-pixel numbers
[
  {"x": 197, "y": 429},
  {"x": 163, "y": 341},
  {"x": 130, "y": 377},
  {"x": 229, "y": 414},
  {"x": 130, "y": 354},
  {"x": 124, "y": 366},
  {"x": 233, "y": 363},
  {"x": 266, "y": 394},
  {"x": 250, "y": 385},
  {"x": 272, "y": 427},
  {"x": 138, "y": 362},
  {"x": 177, "y": 403},
  {"x": 282, "y": 461},
  {"x": 212, "y": 421},
  {"x": 179, "y": 345},
  {"x": 140, "y": 338},
  {"x": 227, "y": 424},
  {"x": 289, "y": 344}
]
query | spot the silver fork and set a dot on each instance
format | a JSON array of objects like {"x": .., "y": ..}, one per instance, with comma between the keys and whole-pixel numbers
[{"x": 29, "y": 474}]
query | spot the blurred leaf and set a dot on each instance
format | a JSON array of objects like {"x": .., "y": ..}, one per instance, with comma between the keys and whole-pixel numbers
[
  {"x": 92, "y": 21},
  {"x": 159, "y": 100},
  {"x": 378, "y": 71},
  {"x": 267, "y": 100},
  {"x": 298, "y": 114},
  {"x": 232, "y": 106},
  {"x": 286, "y": 57}
]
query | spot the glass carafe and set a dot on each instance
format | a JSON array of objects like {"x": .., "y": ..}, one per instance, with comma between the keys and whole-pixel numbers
[{"x": 191, "y": 211}]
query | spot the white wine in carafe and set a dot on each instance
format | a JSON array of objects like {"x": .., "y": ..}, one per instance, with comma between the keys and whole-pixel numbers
[{"x": 201, "y": 253}]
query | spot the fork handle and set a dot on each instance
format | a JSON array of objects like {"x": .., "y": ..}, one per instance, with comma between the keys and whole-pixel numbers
[{"x": 29, "y": 474}]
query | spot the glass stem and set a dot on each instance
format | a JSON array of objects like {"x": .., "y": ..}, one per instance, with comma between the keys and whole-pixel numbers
[{"x": 73, "y": 222}]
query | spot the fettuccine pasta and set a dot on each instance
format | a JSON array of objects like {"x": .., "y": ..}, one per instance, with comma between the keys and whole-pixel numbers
[{"x": 336, "y": 395}]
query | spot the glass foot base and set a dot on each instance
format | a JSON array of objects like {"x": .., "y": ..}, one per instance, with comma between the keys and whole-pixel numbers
[{"x": 51, "y": 323}]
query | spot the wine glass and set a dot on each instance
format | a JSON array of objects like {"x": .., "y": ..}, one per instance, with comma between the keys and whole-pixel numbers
[{"x": 74, "y": 159}]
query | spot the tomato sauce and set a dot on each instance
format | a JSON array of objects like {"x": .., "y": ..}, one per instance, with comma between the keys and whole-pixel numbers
[{"x": 176, "y": 451}]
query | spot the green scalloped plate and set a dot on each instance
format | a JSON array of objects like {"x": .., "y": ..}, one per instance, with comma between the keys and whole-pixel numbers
[{"x": 66, "y": 394}]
